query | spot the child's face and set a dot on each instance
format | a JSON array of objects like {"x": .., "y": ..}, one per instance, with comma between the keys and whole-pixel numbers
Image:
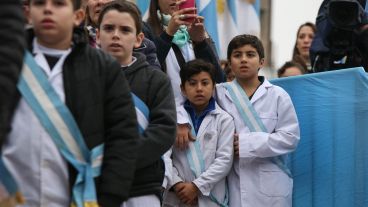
[
  {"x": 245, "y": 62},
  {"x": 53, "y": 22},
  {"x": 198, "y": 90},
  {"x": 118, "y": 35}
]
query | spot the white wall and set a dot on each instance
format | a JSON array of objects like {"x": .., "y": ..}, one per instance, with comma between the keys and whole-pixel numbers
[{"x": 287, "y": 16}]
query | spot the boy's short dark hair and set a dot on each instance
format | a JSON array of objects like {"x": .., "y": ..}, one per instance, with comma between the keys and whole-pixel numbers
[
  {"x": 194, "y": 67},
  {"x": 76, "y": 3},
  {"x": 290, "y": 64},
  {"x": 123, "y": 6},
  {"x": 245, "y": 39}
]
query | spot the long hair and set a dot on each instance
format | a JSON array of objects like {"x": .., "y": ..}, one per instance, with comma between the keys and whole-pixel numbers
[
  {"x": 153, "y": 19},
  {"x": 307, "y": 24}
]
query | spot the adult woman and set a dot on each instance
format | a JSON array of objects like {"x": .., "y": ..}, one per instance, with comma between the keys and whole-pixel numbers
[
  {"x": 180, "y": 36},
  {"x": 303, "y": 42}
]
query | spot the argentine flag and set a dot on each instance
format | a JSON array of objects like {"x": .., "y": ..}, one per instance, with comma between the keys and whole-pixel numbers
[
  {"x": 224, "y": 19},
  {"x": 236, "y": 17}
]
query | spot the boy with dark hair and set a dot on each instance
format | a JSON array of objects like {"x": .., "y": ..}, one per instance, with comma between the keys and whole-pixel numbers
[
  {"x": 199, "y": 172},
  {"x": 119, "y": 32},
  {"x": 266, "y": 129},
  {"x": 75, "y": 112}
]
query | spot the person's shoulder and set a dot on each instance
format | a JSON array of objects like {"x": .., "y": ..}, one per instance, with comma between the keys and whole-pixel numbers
[
  {"x": 275, "y": 90},
  {"x": 222, "y": 113}
]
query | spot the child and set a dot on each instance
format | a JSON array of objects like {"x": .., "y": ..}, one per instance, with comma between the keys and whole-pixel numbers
[
  {"x": 55, "y": 146},
  {"x": 290, "y": 68},
  {"x": 266, "y": 129},
  {"x": 202, "y": 183},
  {"x": 119, "y": 31}
]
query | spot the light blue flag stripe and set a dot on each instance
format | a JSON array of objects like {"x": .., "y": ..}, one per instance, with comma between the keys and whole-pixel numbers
[
  {"x": 232, "y": 8},
  {"x": 330, "y": 165},
  {"x": 210, "y": 15},
  {"x": 143, "y": 5},
  {"x": 366, "y": 6},
  {"x": 257, "y": 7}
]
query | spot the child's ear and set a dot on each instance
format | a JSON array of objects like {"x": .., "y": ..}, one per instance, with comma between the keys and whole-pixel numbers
[
  {"x": 139, "y": 40},
  {"x": 98, "y": 37},
  {"x": 78, "y": 17},
  {"x": 183, "y": 90},
  {"x": 261, "y": 62}
]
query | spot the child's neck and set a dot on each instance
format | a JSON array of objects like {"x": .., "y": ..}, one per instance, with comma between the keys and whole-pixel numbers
[
  {"x": 199, "y": 109},
  {"x": 128, "y": 62},
  {"x": 249, "y": 85},
  {"x": 60, "y": 45}
]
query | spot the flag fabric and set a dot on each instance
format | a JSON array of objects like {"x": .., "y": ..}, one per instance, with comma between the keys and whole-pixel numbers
[
  {"x": 143, "y": 6},
  {"x": 330, "y": 165},
  {"x": 236, "y": 17},
  {"x": 208, "y": 9},
  {"x": 224, "y": 19}
]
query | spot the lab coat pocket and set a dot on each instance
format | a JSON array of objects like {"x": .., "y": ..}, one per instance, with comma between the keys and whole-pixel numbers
[
  {"x": 274, "y": 182},
  {"x": 210, "y": 140},
  {"x": 269, "y": 120}
]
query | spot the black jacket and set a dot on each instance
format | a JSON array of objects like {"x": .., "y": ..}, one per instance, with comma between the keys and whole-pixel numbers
[
  {"x": 203, "y": 50},
  {"x": 153, "y": 87},
  {"x": 98, "y": 96},
  {"x": 11, "y": 57}
]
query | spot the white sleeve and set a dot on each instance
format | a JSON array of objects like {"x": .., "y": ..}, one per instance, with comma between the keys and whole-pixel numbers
[
  {"x": 168, "y": 168},
  {"x": 282, "y": 140}
]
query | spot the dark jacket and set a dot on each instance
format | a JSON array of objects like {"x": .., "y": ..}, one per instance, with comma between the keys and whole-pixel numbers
[
  {"x": 98, "y": 96},
  {"x": 11, "y": 57},
  {"x": 148, "y": 48},
  {"x": 153, "y": 87},
  {"x": 203, "y": 50}
]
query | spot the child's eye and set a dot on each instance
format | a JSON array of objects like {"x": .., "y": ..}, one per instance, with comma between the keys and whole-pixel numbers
[
  {"x": 59, "y": 2},
  {"x": 205, "y": 83},
  {"x": 125, "y": 29},
  {"x": 251, "y": 54},
  {"x": 108, "y": 28},
  {"x": 38, "y": 2},
  {"x": 192, "y": 83}
]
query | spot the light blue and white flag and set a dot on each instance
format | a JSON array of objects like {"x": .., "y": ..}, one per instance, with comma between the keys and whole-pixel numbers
[
  {"x": 143, "y": 5},
  {"x": 330, "y": 165},
  {"x": 236, "y": 17},
  {"x": 208, "y": 9}
]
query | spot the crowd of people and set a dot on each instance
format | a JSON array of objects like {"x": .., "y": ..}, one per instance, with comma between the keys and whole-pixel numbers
[{"x": 114, "y": 111}]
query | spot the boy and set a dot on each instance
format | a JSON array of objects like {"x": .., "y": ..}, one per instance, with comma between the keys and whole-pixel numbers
[
  {"x": 119, "y": 31},
  {"x": 266, "y": 129},
  {"x": 51, "y": 152},
  {"x": 202, "y": 185}
]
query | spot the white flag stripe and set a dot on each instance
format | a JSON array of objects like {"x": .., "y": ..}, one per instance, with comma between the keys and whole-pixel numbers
[
  {"x": 203, "y": 4},
  {"x": 142, "y": 121},
  {"x": 53, "y": 114},
  {"x": 250, "y": 116}
]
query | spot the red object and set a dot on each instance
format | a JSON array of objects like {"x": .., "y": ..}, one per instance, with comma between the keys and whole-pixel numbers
[{"x": 188, "y": 4}]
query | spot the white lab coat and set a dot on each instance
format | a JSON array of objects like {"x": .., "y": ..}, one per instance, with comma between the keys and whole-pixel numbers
[
  {"x": 215, "y": 136},
  {"x": 254, "y": 180}
]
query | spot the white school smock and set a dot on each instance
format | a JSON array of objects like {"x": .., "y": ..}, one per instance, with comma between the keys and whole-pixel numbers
[
  {"x": 254, "y": 181},
  {"x": 216, "y": 136},
  {"x": 30, "y": 153}
]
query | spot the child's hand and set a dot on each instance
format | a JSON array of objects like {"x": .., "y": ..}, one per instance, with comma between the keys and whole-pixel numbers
[
  {"x": 183, "y": 136},
  {"x": 188, "y": 193},
  {"x": 236, "y": 145}
]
